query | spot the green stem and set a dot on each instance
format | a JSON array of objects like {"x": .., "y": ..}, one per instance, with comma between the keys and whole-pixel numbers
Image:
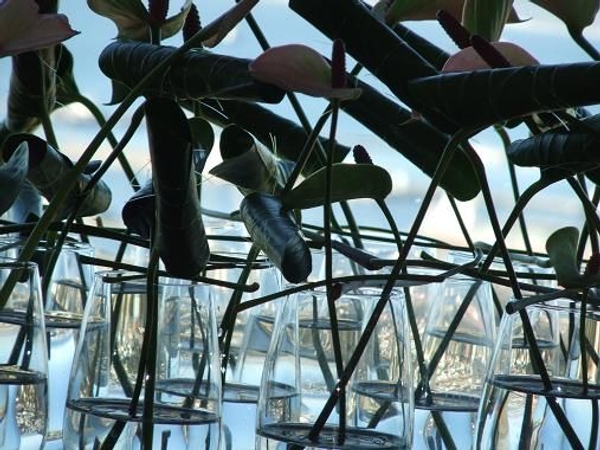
[
  {"x": 586, "y": 46},
  {"x": 327, "y": 215},
  {"x": 391, "y": 280}
]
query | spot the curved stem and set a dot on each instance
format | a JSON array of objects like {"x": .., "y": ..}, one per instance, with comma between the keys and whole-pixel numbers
[{"x": 586, "y": 46}]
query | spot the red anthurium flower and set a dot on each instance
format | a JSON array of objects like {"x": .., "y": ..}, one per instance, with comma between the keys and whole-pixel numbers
[
  {"x": 296, "y": 67},
  {"x": 468, "y": 59},
  {"x": 23, "y": 28}
]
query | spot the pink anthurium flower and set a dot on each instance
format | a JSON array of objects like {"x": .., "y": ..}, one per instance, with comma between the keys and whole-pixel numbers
[
  {"x": 298, "y": 68},
  {"x": 23, "y": 28},
  {"x": 468, "y": 59}
]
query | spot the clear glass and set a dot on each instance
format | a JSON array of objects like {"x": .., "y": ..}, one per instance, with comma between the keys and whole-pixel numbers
[
  {"x": 102, "y": 405},
  {"x": 65, "y": 286},
  {"x": 247, "y": 348},
  {"x": 23, "y": 358},
  {"x": 302, "y": 366},
  {"x": 543, "y": 393},
  {"x": 458, "y": 342}
]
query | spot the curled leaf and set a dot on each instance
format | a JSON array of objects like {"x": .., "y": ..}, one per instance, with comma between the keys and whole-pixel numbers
[
  {"x": 47, "y": 169},
  {"x": 561, "y": 152},
  {"x": 274, "y": 231},
  {"x": 196, "y": 74},
  {"x": 181, "y": 239},
  {"x": 561, "y": 247},
  {"x": 12, "y": 176},
  {"x": 248, "y": 164}
]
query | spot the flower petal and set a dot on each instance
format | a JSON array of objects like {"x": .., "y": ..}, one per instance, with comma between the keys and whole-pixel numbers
[
  {"x": 468, "y": 59},
  {"x": 25, "y": 29},
  {"x": 296, "y": 67}
]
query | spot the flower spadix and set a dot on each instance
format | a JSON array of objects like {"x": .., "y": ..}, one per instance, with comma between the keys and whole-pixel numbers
[
  {"x": 23, "y": 28},
  {"x": 468, "y": 59},
  {"x": 299, "y": 68}
]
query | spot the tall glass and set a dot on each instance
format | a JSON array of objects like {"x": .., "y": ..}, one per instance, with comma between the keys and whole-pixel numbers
[
  {"x": 23, "y": 358},
  {"x": 304, "y": 361},
  {"x": 108, "y": 399},
  {"x": 543, "y": 386},
  {"x": 458, "y": 343},
  {"x": 66, "y": 281}
]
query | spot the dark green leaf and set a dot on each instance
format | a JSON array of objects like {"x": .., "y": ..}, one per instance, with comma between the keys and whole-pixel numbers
[
  {"x": 270, "y": 128},
  {"x": 180, "y": 236},
  {"x": 277, "y": 235},
  {"x": 32, "y": 89},
  {"x": 47, "y": 169},
  {"x": 349, "y": 181},
  {"x": 249, "y": 165},
  {"x": 484, "y": 97},
  {"x": 138, "y": 211},
  {"x": 561, "y": 152},
  {"x": 196, "y": 74},
  {"x": 12, "y": 176},
  {"x": 562, "y": 251},
  {"x": 203, "y": 135}
]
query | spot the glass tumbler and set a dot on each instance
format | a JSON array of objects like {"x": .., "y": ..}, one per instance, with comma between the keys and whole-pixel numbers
[
  {"x": 146, "y": 364},
  {"x": 23, "y": 357},
  {"x": 310, "y": 349},
  {"x": 543, "y": 386}
]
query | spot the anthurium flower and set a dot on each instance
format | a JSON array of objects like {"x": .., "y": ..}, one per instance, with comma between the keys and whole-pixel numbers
[
  {"x": 133, "y": 19},
  {"x": 468, "y": 59},
  {"x": 576, "y": 14},
  {"x": 23, "y": 28},
  {"x": 296, "y": 67}
]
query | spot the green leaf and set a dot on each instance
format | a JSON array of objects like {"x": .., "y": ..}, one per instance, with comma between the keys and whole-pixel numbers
[
  {"x": 271, "y": 129},
  {"x": 486, "y": 18},
  {"x": 561, "y": 152},
  {"x": 47, "y": 169},
  {"x": 196, "y": 74},
  {"x": 181, "y": 239},
  {"x": 484, "y": 97},
  {"x": 561, "y": 247},
  {"x": 249, "y": 165},
  {"x": 277, "y": 235},
  {"x": 12, "y": 176},
  {"x": 350, "y": 181},
  {"x": 203, "y": 135}
]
